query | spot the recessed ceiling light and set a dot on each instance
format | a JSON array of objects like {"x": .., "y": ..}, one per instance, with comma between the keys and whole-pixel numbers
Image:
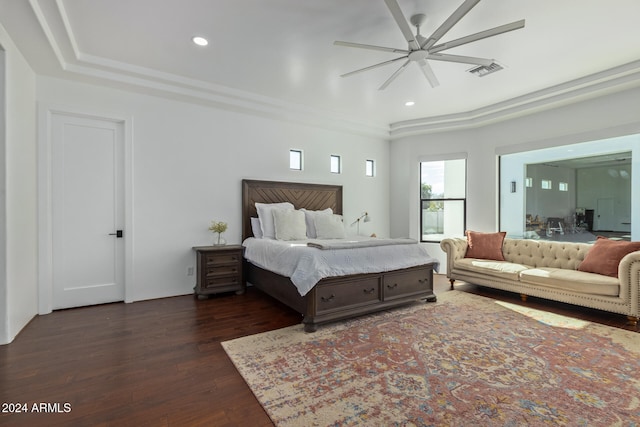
[
  {"x": 200, "y": 41},
  {"x": 409, "y": 103}
]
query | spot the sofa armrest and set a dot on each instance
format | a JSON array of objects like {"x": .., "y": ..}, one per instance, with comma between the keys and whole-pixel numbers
[
  {"x": 629, "y": 275},
  {"x": 455, "y": 248}
]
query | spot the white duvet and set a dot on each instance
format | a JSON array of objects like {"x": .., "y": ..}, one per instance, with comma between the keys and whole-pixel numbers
[{"x": 305, "y": 265}]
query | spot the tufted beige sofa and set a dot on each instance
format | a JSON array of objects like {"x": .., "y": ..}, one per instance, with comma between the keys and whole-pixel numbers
[{"x": 547, "y": 269}]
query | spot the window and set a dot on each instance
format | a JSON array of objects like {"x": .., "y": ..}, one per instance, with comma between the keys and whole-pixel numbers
[
  {"x": 546, "y": 184},
  {"x": 443, "y": 188},
  {"x": 369, "y": 169},
  {"x": 528, "y": 182},
  {"x": 584, "y": 167},
  {"x": 336, "y": 164},
  {"x": 563, "y": 186},
  {"x": 295, "y": 160}
]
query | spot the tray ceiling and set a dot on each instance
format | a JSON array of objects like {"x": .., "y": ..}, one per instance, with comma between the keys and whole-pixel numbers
[{"x": 278, "y": 56}]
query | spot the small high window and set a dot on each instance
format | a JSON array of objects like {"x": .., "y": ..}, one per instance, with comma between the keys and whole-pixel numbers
[
  {"x": 369, "y": 169},
  {"x": 336, "y": 164},
  {"x": 295, "y": 160},
  {"x": 546, "y": 184},
  {"x": 563, "y": 186}
]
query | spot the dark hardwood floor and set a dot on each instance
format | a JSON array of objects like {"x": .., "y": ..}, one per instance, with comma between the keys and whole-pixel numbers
[{"x": 159, "y": 362}]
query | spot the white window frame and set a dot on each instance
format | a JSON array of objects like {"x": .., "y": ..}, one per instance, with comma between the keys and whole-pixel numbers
[{"x": 455, "y": 224}]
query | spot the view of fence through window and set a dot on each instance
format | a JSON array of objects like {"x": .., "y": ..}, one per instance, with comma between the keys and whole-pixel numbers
[{"x": 442, "y": 199}]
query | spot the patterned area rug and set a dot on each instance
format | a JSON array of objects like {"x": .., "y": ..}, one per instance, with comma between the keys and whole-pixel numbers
[{"x": 466, "y": 360}]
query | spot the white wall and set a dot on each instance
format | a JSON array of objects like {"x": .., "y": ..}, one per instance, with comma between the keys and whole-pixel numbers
[
  {"x": 604, "y": 117},
  {"x": 18, "y": 242},
  {"x": 595, "y": 184},
  {"x": 549, "y": 202},
  {"x": 406, "y": 153},
  {"x": 188, "y": 163}
]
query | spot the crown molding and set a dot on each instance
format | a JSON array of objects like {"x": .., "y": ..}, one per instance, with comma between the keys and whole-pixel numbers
[
  {"x": 599, "y": 84},
  {"x": 55, "y": 24}
]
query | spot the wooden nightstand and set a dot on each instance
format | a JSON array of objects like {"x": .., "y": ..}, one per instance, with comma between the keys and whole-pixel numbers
[{"x": 219, "y": 269}]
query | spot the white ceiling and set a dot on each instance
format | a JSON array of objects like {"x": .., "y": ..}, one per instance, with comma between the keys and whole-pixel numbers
[{"x": 278, "y": 55}]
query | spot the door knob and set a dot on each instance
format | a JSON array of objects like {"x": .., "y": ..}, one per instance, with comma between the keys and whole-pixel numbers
[{"x": 118, "y": 234}]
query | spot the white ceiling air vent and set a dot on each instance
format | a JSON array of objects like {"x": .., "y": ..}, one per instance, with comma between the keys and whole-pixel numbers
[{"x": 483, "y": 70}]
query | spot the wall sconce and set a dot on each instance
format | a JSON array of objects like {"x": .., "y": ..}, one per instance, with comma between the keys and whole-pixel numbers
[
  {"x": 364, "y": 218},
  {"x": 513, "y": 186}
]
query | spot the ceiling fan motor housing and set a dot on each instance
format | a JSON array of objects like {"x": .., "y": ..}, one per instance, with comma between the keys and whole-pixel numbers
[{"x": 417, "y": 55}]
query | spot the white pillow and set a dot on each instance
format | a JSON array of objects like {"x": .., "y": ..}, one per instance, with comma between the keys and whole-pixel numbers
[
  {"x": 266, "y": 217},
  {"x": 255, "y": 228},
  {"x": 330, "y": 227},
  {"x": 310, "y": 216},
  {"x": 289, "y": 224}
]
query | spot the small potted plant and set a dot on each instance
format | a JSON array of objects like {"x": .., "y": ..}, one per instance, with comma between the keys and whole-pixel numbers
[{"x": 218, "y": 227}]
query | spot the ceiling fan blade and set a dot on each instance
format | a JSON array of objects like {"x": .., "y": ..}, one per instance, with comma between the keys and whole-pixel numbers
[
  {"x": 395, "y": 10},
  {"x": 371, "y": 47},
  {"x": 478, "y": 36},
  {"x": 461, "y": 59},
  {"x": 371, "y": 67},
  {"x": 394, "y": 75},
  {"x": 449, "y": 23},
  {"x": 428, "y": 73}
]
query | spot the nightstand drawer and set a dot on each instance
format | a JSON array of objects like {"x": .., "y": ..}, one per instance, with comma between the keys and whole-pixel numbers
[
  {"x": 221, "y": 281},
  {"x": 223, "y": 270},
  {"x": 222, "y": 259}
]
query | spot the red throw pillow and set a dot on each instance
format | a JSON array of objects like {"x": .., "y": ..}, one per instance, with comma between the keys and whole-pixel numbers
[
  {"x": 485, "y": 245},
  {"x": 605, "y": 256}
]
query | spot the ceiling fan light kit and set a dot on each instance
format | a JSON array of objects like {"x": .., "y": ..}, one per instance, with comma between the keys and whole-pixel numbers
[{"x": 421, "y": 49}]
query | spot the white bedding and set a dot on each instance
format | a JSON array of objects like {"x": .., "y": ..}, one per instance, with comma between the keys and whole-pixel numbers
[
  {"x": 357, "y": 243},
  {"x": 306, "y": 265}
]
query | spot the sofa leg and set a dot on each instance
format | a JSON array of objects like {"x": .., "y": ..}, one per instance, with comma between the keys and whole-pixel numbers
[
  {"x": 523, "y": 297},
  {"x": 451, "y": 281},
  {"x": 633, "y": 320}
]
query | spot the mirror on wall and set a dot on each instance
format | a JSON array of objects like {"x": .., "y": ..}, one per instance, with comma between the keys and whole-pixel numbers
[{"x": 571, "y": 193}]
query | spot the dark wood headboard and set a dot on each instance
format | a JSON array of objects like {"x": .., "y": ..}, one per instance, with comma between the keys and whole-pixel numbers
[{"x": 301, "y": 195}]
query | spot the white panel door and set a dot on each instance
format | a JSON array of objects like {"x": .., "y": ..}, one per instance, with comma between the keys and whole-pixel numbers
[
  {"x": 87, "y": 211},
  {"x": 605, "y": 219}
]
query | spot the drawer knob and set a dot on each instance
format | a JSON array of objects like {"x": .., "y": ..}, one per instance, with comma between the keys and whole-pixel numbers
[
  {"x": 369, "y": 291},
  {"x": 325, "y": 299}
]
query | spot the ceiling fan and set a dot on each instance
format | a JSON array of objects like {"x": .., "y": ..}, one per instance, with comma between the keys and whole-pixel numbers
[{"x": 422, "y": 48}]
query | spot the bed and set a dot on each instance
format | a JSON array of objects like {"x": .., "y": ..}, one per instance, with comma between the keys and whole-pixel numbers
[{"x": 332, "y": 298}]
